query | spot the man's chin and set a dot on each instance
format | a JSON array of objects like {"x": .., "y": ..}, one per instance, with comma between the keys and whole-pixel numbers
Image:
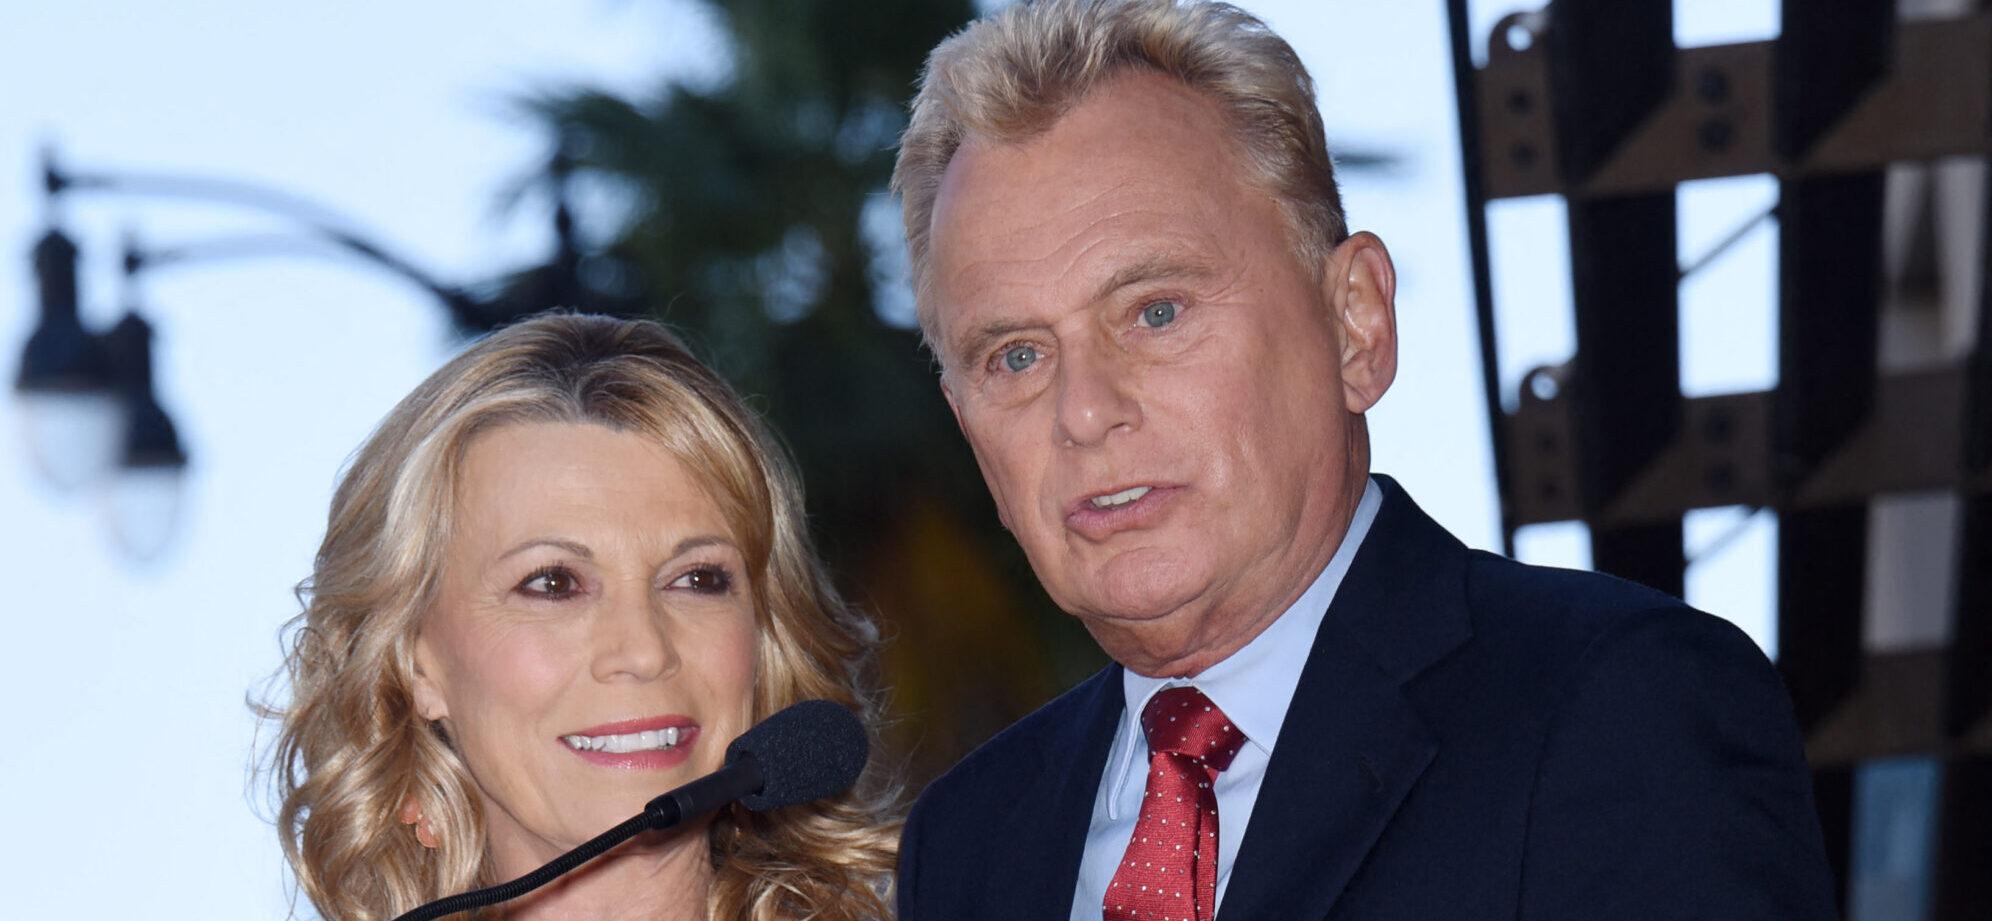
[
  {"x": 1139, "y": 586},
  {"x": 1149, "y": 633},
  {"x": 1159, "y": 647}
]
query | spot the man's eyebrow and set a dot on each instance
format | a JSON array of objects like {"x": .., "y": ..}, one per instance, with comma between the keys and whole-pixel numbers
[
  {"x": 1151, "y": 268},
  {"x": 975, "y": 341}
]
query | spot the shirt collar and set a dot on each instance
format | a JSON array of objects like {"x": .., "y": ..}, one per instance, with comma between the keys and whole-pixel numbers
[{"x": 1254, "y": 686}]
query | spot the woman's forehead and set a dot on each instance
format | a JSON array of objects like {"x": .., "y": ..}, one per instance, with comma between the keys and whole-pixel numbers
[{"x": 583, "y": 479}]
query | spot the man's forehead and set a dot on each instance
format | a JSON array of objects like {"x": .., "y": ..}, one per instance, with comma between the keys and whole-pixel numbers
[
  {"x": 994, "y": 224},
  {"x": 1140, "y": 167},
  {"x": 1038, "y": 232},
  {"x": 1020, "y": 194},
  {"x": 1139, "y": 122}
]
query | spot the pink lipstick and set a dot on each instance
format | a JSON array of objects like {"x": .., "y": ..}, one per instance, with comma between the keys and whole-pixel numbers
[{"x": 646, "y": 744}]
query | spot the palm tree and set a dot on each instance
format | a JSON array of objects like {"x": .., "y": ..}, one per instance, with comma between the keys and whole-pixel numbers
[{"x": 759, "y": 226}]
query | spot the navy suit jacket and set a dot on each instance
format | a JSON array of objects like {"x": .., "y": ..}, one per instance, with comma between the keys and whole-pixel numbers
[{"x": 1471, "y": 738}]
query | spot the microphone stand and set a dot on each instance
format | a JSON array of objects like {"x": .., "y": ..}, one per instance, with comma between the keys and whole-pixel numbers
[{"x": 740, "y": 778}]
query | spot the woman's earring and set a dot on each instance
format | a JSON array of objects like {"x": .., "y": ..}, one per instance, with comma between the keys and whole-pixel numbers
[{"x": 411, "y": 814}]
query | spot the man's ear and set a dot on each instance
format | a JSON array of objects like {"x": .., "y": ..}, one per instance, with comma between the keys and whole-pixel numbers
[
  {"x": 429, "y": 700},
  {"x": 1362, "y": 285}
]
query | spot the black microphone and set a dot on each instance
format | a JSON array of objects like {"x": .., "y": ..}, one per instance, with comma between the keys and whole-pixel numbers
[{"x": 806, "y": 752}]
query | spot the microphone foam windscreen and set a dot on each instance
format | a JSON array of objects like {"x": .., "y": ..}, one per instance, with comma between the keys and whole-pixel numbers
[{"x": 808, "y": 751}]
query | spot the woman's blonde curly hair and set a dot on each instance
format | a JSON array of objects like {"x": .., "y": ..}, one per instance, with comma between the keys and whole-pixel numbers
[{"x": 352, "y": 747}]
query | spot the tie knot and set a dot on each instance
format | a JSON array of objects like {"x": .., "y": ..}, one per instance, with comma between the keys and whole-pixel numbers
[{"x": 1183, "y": 721}]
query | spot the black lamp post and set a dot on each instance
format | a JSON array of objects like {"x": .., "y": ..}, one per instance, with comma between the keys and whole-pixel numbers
[{"x": 89, "y": 398}]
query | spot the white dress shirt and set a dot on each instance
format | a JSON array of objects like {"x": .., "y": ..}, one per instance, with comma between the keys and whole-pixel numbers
[{"x": 1253, "y": 686}]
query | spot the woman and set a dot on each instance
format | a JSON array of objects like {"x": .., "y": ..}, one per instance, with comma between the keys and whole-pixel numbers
[{"x": 558, "y": 580}]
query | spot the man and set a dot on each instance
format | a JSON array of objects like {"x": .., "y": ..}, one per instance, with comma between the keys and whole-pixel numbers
[{"x": 1160, "y": 340}]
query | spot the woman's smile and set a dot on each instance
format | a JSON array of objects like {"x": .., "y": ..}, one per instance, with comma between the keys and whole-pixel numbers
[{"x": 648, "y": 744}]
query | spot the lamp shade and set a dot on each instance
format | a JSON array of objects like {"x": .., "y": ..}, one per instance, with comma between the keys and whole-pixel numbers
[
  {"x": 142, "y": 505},
  {"x": 61, "y": 356},
  {"x": 150, "y": 439},
  {"x": 72, "y": 438},
  {"x": 143, "y": 499},
  {"x": 72, "y": 416}
]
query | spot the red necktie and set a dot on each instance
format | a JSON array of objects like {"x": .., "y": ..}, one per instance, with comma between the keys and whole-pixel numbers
[{"x": 1170, "y": 871}]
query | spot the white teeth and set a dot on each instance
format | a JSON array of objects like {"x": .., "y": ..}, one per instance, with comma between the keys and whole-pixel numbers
[
  {"x": 1120, "y": 498},
  {"x": 647, "y": 740}
]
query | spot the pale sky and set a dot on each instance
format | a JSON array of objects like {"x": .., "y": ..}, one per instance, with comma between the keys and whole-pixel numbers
[{"x": 126, "y": 778}]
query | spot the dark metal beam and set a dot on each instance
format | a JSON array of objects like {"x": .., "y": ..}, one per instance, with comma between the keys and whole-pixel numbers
[
  {"x": 1822, "y": 577},
  {"x": 1610, "y": 63},
  {"x": 1933, "y": 99},
  {"x": 1833, "y": 795},
  {"x": 1464, "y": 89},
  {"x": 1625, "y": 380},
  {"x": 1830, "y": 53},
  {"x": 1829, "y": 292},
  {"x": 1968, "y": 707},
  {"x": 1968, "y": 710},
  {"x": 1722, "y": 455},
  {"x": 1963, "y": 889},
  {"x": 1830, "y": 285}
]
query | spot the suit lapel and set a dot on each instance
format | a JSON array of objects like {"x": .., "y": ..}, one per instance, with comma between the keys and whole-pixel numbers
[
  {"x": 1052, "y": 825},
  {"x": 1353, "y": 747}
]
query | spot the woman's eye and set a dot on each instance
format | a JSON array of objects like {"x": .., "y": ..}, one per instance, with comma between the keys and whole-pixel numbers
[
  {"x": 1018, "y": 358},
  {"x": 551, "y": 582},
  {"x": 706, "y": 580},
  {"x": 1159, "y": 314}
]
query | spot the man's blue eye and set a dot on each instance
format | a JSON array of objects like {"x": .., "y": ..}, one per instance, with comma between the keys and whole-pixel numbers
[
  {"x": 1159, "y": 314},
  {"x": 1019, "y": 357}
]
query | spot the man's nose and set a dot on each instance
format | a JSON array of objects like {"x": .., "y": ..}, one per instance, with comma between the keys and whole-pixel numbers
[
  {"x": 1094, "y": 398},
  {"x": 631, "y": 639}
]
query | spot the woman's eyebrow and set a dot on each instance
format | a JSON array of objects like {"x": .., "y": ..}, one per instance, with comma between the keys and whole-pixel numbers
[
  {"x": 581, "y": 550},
  {"x": 578, "y": 549},
  {"x": 703, "y": 540}
]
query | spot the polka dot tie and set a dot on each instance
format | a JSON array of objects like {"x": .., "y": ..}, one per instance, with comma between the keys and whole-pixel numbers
[{"x": 1170, "y": 871}]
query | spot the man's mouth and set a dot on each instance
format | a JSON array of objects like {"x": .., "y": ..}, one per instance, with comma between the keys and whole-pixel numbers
[
  {"x": 1115, "y": 500},
  {"x": 1102, "y": 515}
]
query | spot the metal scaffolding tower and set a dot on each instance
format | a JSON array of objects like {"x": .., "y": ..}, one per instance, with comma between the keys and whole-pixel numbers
[{"x": 1874, "y": 449}]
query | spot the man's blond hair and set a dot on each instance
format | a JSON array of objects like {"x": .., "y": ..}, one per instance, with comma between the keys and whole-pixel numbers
[{"x": 1012, "y": 74}]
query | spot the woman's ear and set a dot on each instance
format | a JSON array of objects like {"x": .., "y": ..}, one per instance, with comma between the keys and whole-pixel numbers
[
  {"x": 1362, "y": 285},
  {"x": 429, "y": 697}
]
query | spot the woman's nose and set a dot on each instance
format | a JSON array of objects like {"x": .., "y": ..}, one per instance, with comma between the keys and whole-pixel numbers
[{"x": 631, "y": 642}]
